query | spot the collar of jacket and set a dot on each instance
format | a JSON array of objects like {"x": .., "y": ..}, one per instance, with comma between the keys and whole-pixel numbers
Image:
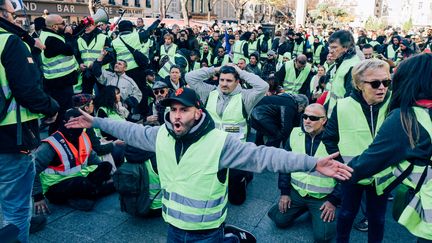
[
  {"x": 350, "y": 53},
  {"x": 200, "y": 128},
  {"x": 237, "y": 90},
  {"x": 12, "y": 28},
  {"x": 357, "y": 96}
]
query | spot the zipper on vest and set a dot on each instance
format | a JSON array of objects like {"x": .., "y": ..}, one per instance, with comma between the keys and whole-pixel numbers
[{"x": 312, "y": 143}]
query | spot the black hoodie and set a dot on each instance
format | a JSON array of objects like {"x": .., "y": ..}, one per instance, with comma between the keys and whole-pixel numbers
[{"x": 331, "y": 135}]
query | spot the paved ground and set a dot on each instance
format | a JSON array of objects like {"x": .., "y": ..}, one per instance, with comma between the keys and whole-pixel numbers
[{"x": 107, "y": 224}]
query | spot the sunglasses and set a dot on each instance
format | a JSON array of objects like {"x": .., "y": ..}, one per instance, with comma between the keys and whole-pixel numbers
[
  {"x": 312, "y": 118},
  {"x": 377, "y": 83},
  {"x": 161, "y": 91}
]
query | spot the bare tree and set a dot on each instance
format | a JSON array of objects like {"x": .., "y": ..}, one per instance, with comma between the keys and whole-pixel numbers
[
  {"x": 163, "y": 7},
  {"x": 184, "y": 11},
  {"x": 210, "y": 4}
]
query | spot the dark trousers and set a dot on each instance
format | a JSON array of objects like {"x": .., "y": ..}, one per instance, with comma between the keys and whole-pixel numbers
[
  {"x": 375, "y": 211},
  {"x": 88, "y": 84},
  {"x": 176, "y": 235},
  {"x": 63, "y": 96},
  {"x": 322, "y": 231},
  {"x": 238, "y": 179},
  {"x": 89, "y": 187}
]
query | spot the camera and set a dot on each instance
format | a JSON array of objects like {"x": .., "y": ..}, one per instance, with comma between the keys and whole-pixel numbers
[{"x": 109, "y": 49}]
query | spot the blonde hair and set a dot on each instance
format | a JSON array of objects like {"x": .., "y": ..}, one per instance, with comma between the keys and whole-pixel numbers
[{"x": 365, "y": 65}]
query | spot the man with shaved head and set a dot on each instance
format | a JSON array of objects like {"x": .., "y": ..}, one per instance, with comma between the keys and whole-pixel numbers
[
  {"x": 308, "y": 191},
  {"x": 295, "y": 76},
  {"x": 59, "y": 66}
]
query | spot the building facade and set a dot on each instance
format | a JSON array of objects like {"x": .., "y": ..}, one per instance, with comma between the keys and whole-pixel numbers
[{"x": 75, "y": 10}]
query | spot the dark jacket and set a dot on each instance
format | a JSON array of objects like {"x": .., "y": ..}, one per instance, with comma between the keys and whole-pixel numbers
[
  {"x": 331, "y": 135},
  {"x": 167, "y": 80},
  {"x": 311, "y": 146},
  {"x": 274, "y": 117},
  {"x": 390, "y": 147},
  {"x": 56, "y": 47},
  {"x": 25, "y": 84}
]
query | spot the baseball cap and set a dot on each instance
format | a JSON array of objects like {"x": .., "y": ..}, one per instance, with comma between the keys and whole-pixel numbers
[
  {"x": 184, "y": 96},
  {"x": 125, "y": 25},
  {"x": 159, "y": 85},
  {"x": 79, "y": 100}
]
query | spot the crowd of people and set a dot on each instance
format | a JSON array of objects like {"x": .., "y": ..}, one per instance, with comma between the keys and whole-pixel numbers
[{"x": 307, "y": 103}]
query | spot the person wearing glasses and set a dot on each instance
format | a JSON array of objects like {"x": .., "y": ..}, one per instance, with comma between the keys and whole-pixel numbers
[
  {"x": 404, "y": 142},
  {"x": 352, "y": 127},
  {"x": 59, "y": 66},
  {"x": 157, "y": 112},
  {"x": 295, "y": 76},
  {"x": 303, "y": 192},
  {"x": 221, "y": 58}
]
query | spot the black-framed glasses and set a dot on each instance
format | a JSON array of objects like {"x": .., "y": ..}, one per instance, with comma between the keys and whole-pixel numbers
[
  {"x": 159, "y": 91},
  {"x": 312, "y": 118},
  {"x": 375, "y": 84}
]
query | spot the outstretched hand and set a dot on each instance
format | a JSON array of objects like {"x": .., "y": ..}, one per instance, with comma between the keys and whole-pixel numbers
[
  {"x": 83, "y": 121},
  {"x": 332, "y": 168}
]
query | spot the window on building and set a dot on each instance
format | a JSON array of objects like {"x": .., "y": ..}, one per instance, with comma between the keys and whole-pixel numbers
[
  {"x": 125, "y": 3},
  {"x": 111, "y": 2},
  {"x": 148, "y": 3},
  {"x": 420, "y": 5},
  {"x": 137, "y": 3}
]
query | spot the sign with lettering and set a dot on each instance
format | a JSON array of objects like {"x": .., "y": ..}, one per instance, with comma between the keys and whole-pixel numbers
[{"x": 63, "y": 9}]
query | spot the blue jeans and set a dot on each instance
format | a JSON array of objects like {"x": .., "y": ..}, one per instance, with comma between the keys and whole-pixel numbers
[
  {"x": 375, "y": 212},
  {"x": 17, "y": 173},
  {"x": 176, "y": 235}
]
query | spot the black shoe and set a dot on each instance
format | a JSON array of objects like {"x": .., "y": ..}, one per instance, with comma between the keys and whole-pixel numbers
[
  {"x": 243, "y": 235},
  {"x": 9, "y": 234},
  {"x": 81, "y": 204},
  {"x": 362, "y": 225},
  {"x": 37, "y": 223}
]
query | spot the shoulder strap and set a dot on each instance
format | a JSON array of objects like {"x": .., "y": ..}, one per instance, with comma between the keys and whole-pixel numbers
[
  {"x": 130, "y": 48},
  {"x": 408, "y": 171}
]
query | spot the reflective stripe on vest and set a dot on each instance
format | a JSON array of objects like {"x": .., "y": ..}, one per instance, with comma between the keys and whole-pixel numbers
[
  {"x": 171, "y": 51},
  {"x": 59, "y": 65},
  {"x": 354, "y": 133},
  {"x": 237, "y": 50},
  {"x": 417, "y": 216},
  {"x": 232, "y": 119},
  {"x": 165, "y": 70},
  {"x": 293, "y": 84},
  {"x": 89, "y": 53},
  {"x": 317, "y": 54},
  {"x": 155, "y": 190},
  {"x": 314, "y": 183},
  {"x": 11, "y": 116},
  {"x": 123, "y": 52},
  {"x": 298, "y": 49},
  {"x": 336, "y": 85},
  {"x": 194, "y": 199},
  {"x": 73, "y": 159},
  {"x": 253, "y": 47}
]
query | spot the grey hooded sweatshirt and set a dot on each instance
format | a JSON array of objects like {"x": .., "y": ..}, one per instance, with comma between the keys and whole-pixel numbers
[{"x": 235, "y": 154}]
